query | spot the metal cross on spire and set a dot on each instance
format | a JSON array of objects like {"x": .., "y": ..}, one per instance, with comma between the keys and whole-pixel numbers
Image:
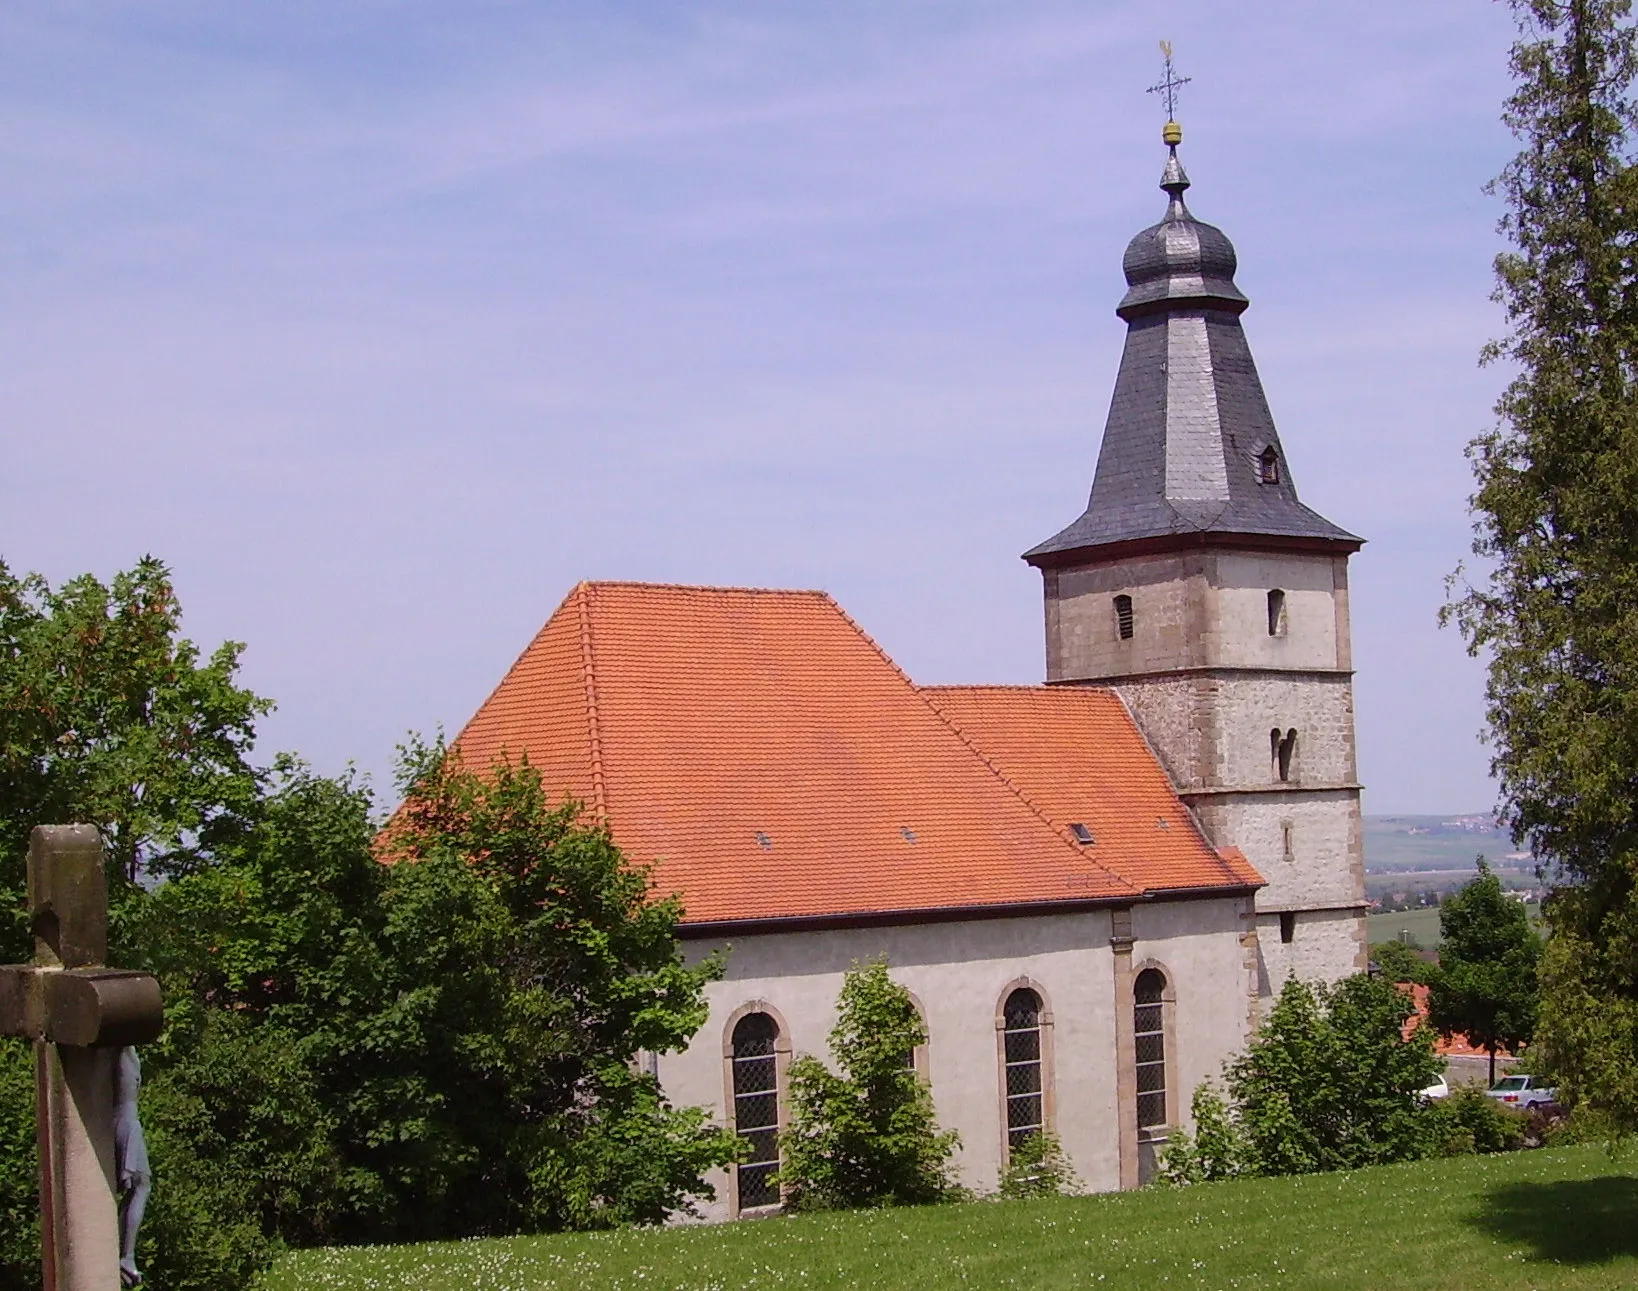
[{"x": 1171, "y": 84}]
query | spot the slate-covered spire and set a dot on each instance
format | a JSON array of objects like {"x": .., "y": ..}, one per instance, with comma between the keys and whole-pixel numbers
[{"x": 1190, "y": 453}]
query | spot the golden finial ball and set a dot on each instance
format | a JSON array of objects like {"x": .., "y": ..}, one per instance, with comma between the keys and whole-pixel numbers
[{"x": 1172, "y": 134}]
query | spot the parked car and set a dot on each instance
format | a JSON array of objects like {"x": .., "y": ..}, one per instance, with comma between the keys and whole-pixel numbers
[
  {"x": 1521, "y": 1091},
  {"x": 1438, "y": 1089}
]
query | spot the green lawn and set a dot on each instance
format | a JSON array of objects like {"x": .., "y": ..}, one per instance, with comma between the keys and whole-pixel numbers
[{"x": 1529, "y": 1220}]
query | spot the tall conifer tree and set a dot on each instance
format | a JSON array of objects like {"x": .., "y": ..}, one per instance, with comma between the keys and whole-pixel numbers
[{"x": 1557, "y": 525}]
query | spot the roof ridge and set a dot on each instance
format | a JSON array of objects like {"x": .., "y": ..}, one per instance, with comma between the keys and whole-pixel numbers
[
  {"x": 588, "y": 666},
  {"x": 638, "y": 584},
  {"x": 1061, "y": 831},
  {"x": 1036, "y": 688}
]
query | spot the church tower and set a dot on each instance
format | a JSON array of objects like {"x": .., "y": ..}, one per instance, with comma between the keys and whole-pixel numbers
[{"x": 1215, "y": 603}]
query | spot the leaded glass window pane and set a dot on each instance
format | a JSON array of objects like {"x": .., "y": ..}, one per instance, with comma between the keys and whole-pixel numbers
[
  {"x": 756, "y": 1108},
  {"x": 1149, "y": 1034},
  {"x": 1021, "y": 1044}
]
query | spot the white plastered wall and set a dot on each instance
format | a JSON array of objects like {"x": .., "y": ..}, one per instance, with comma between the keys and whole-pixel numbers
[{"x": 960, "y": 971}]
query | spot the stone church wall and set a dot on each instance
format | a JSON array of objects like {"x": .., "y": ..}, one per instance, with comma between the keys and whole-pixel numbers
[{"x": 960, "y": 973}]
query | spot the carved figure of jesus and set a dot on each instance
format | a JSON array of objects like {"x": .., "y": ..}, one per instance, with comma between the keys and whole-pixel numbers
[{"x": 130, "y": 1163}]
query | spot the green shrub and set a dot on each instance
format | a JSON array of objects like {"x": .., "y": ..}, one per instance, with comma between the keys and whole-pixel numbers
[
  {"x": 866, "y": 1136},
  {"x": 1037, "y": 1167},
  {"x": 1217, "y": 1150},
  {"x": 1467, "y": 1121}
]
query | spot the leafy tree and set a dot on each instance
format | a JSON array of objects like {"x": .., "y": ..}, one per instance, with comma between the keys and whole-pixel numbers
[
  {"x": 441, "y": 1046},
  {"x": 108, "y": 716},
  {"x": 1488, "y": 955},
  {"x": 1330, "y": 1083},
  {"x": 866, "y": 1136},
  {"x": 1037, "y": 1167},
  {"x": 1398, "y": 962},
  {"x": 1557, "y": 614}
]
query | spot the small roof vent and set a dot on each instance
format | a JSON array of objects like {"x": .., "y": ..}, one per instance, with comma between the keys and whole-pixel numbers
[
  {"x": 1162, "y": 823},
  {"x": 1082, "y": 833},
  {"x": 906, "y": 833},
  {"x": 763, "y": 841}
]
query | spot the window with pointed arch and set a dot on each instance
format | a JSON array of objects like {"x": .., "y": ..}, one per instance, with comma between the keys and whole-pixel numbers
[
  {"x": 1149, "y": 1036},
  {"x": 755, "y": 1066},
  {"x": 1023, "y": 1064}
]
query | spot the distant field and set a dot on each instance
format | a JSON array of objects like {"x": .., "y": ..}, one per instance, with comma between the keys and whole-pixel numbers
[
  {"x": 1423, "y": 925},
  {"x": 1544, "y": 1220}
]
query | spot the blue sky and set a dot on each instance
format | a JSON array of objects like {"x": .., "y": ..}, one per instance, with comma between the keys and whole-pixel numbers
[{"x": 386, "y": 323}]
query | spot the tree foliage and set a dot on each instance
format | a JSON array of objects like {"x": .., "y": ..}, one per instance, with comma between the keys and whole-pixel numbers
[
  {"x": 1329, "y": 1082},
  {"x": 1398, "y": 962},
  {"x": 108, "y": 716},
  {"x": 1488, "y": 956},
  {"x": 866, "y": 1135},
  {"x": 1557, "y": 487},
  {"x": 355, "y": 1050},
  {"x": 440, "y": 1046}
]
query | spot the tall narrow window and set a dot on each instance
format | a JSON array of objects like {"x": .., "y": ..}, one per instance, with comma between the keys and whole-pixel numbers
[
  {"x": 1276, "y": 613},
  {"x": 1288, "y": 847},
  {"x": 1123, "y": 616},
  {"x": 756, "y": 1108},
  {"x": 1288, "y": 926},
  {"x": 1283, "y": 751},
  {"x": 1021, "y": 1045},
  {"x": 1149, "y": 1033},
  {"x": 1268, "y": 466}
]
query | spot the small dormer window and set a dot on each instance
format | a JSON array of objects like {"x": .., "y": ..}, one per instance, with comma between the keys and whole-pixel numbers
[
  {"x": 1268, "y": 466},
  {"x": 1123, "y": 617},
  {"x": 1276, "y": 613}
]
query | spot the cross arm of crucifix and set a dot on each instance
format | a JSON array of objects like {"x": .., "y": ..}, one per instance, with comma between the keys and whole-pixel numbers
[{"x": 67, "y": 996}]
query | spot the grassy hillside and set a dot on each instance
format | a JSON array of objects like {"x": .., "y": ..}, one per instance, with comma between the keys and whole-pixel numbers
[{"x": 1529, "y": 1220}]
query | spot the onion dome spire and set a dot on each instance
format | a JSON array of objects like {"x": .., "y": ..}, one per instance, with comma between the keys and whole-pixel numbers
[{"x": 1190, "y": 454}]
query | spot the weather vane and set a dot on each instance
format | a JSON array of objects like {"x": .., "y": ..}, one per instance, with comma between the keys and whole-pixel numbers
[{"x": 1171, "y": 84}]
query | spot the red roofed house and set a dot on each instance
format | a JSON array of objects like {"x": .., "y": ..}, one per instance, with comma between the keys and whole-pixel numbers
[{"x": 1059, "y": 873}]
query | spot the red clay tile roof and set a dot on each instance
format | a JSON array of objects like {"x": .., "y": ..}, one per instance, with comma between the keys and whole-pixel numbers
[
  {"x": 773, "y": 763},
  {"x": 1078, "y": 756}
]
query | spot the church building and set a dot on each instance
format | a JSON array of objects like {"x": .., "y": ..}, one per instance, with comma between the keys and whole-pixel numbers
[{"x": 1092, "y": 886}]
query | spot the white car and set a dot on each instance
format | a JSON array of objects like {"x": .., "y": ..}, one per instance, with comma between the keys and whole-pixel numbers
[
  {"x": 1521, "y": 1092},
  {"x": 1437, "y": 1090}
]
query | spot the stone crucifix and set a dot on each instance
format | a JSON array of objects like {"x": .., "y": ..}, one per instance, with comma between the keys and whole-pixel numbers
[{"x": 82, "y": 1017}]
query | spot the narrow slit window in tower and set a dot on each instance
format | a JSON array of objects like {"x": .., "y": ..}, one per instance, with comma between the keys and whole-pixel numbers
[
  {"x": 1268, "y": 466},
  {"x": 1288, "y": 851},
  {"x": 1288, "y": 926},
  {"x": 1123, "y": 616},
  {"x": 1276, "y": 613}
]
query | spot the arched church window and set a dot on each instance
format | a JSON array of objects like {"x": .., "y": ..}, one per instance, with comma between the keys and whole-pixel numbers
[
  {"x": 1268, "y": 466},
  {"x": 1282, "y": 748},
  {"x": 1276, "y": 613},
  {"x": 1123, "y": 616},
  {"x": 1149, "y": 1035},
  {"x": 756, "y": 1108},
  {"x": 1022, "y": 1063}
]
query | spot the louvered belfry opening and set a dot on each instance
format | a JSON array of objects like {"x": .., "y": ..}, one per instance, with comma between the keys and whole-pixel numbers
[
  {"x": 1021, "y": 1039},
  {"x": 756, "y": 1108},
  {"x": 1149, "y": 1032}
]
